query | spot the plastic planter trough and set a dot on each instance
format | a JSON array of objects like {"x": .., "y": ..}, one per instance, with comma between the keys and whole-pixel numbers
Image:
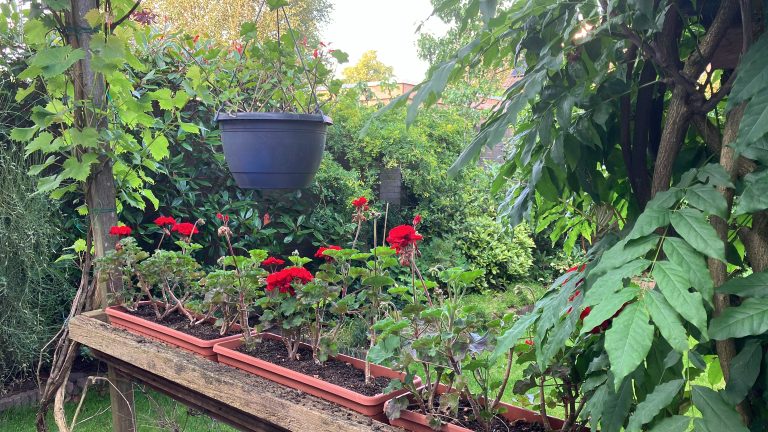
[
  {"x": 119, "y": 317},
  {"x": 371, "y": 406},
  {"x": 273, "y": 150},
  {"x": 417, "y": 422}
]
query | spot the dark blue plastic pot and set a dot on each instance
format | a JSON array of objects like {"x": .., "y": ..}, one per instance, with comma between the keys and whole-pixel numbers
[{"x": 273, "y": 150}]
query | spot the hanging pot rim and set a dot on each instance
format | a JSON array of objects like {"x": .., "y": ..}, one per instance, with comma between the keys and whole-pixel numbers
[{"x": 274, "y": 116}]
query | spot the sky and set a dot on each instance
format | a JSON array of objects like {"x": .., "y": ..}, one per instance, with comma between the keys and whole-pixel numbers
[{"x": 388, "y": 27}]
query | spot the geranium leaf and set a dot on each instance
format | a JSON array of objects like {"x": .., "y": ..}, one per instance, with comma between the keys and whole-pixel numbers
[
  {"x": 628, "y": 341},
  {"x": 749, "y": 318},
  {"x": 658, "y": 399},
  {"x": 693, "y": 227}
]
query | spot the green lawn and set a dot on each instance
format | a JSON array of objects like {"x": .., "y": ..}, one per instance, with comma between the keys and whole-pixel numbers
[
  {"x": 154, "y": 412},
  {"x": 500, "y": 302}
]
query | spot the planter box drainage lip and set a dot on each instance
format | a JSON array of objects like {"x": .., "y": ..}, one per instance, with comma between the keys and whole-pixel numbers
[{"x": 274, "y": 116}]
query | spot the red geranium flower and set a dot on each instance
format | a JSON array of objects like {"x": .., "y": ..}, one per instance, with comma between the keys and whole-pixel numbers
[
  {"x": 416, "y": 219},
  {"x": 272, "y": 261},
  {"x": 196, "y": 38},
  {"x": 321, "y": 252},
  {"x": 360, "y": 202},
  {"x": 120, "y": 230},
  {"x": 314, "y": 54},
  {"x": 222, "y": 217},
  {"x": 403, "y": 236},
  {"x": 185, "y": 229},
  {"x": 284, "y": 279},
  {"x": 529, "y": 342},
  {"x": 162, "y": 221}
]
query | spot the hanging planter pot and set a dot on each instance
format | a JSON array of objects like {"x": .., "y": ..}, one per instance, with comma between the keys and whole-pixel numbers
[{"x": 273, "y": 150}]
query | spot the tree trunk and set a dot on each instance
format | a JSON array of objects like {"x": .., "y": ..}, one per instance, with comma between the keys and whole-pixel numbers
[{"x": 726, "y": 349}]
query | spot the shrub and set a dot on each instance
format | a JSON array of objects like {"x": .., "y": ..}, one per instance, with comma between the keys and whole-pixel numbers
[{"x": 503, "y": 254}]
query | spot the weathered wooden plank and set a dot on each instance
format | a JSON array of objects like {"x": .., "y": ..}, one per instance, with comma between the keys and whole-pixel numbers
[
  {"x": 213, "y": 408},
  {"x": 284, "y": 407}
]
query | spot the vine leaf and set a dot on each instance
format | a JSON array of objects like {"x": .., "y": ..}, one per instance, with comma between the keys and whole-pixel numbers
[
  {"x": 749, "y": 318},
  {"x": 666, "y": 320},
  {"x": 628, "y": 341},
  {"x": 657, "y": 400},
  {"x": 674, "y": 284},
  {"x": 694, "y": 228},
  {"x": 717, "y": 414}
]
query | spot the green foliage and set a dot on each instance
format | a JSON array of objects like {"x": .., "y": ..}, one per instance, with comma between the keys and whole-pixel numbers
[{"x": 503, "y": 254}]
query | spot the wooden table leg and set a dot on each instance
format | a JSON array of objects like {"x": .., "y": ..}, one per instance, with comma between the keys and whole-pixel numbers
[{"x": 121, "y": 397}]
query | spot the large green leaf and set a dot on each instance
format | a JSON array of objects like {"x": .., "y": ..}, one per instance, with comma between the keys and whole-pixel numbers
[
  {"x": 605, "y": 309},
  {"x": 651, "y": 219},
  {"x": 628, "y": 341},
  {"x": 674, "y": 283},
  {"x": 511, "y": 336},
  {"x": 621, "y": 253},
  {"x": 754, "y": 124},
  {"x": 745, "y": 368},
  {"x": 616, "y": 408},
  {"x": 692, "y": 263},
  {"x": 693, "y": 227},
  {"x": 676, "y": 423},
  {"x": 748, "y": 319},
  {"x": 756, "y": 150},
  {"x": 658, "y": 399},
  {"x": 78, "y": 169},
  {"x": 666, "y": 320},
  {"x": 754, "y": 285},
  {"x": 53, "y": 61},
  {"x": 753, "y": 73},
  {"x": 707, "y": 199},
  {"x": 754, "y": 197},
  {"x": 717, "y": 414},
  {"x": 612, "y": 281}
]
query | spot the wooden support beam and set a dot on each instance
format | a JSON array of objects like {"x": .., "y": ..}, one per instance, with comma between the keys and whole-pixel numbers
[
  {"x": 121, "y": 399},
  {"x": 241, "y": 399}
]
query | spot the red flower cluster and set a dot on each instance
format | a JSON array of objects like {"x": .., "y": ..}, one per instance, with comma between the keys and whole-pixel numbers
[
  {"x": 360, "y": 203},
  {"x": 529, "y": 342},
  {"x": 222, "y": 217},
  {"x": 120, "y": 230},
  {"x": 162, "y": 221},
  {"x": 185, "y": 229},
  {"x": 321, "y": 252},
  {"x": 402, "y": 236},
  {"x": 416, "y": 220},
  {"x": 284, "y": 279},
  {"x": 272, "y": 261}
]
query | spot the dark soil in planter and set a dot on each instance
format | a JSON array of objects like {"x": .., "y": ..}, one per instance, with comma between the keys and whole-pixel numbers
[
  {"x": 332, "y": 371},
  {"x": 500, "y": 424},
  {"x": 177, "y": 321}
]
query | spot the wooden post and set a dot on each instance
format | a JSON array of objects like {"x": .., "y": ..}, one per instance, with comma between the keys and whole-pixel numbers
[{"x": 121, "y": 397}]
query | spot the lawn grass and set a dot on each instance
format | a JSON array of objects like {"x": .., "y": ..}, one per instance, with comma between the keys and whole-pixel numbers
[
  {"x": 154, "y": 412},
  {"x": 500, "y": 302}
]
